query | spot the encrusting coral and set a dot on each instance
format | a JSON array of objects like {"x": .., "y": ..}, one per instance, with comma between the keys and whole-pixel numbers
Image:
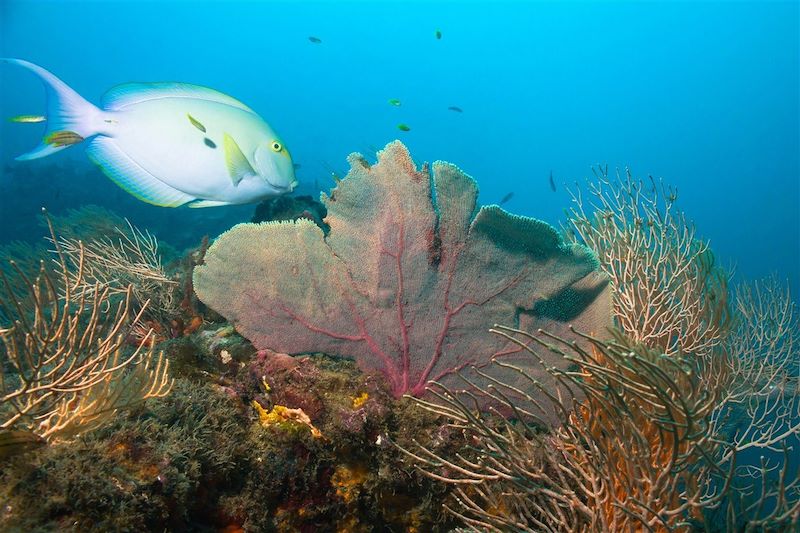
[{"x": 409, "y": 278}]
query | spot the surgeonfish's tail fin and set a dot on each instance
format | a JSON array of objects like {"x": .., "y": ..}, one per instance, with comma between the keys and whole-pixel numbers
[{"x": 70, "y": 118}]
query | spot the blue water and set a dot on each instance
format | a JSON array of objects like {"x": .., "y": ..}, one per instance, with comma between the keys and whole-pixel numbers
[{"x": 704, "y": 95}]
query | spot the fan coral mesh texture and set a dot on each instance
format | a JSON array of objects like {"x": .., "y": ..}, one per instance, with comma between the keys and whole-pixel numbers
[{"x": 409, "y": 279}]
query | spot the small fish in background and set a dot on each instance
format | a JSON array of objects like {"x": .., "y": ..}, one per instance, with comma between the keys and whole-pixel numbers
[
  {"x": 552, "y": 182},
  {"x": 370, "y": 153},
  {"x": 336, "y": 176},
  {"x": 158, "y": 141},
  {"x": 455, "y": 108},
  {"x": 27, "y": 119},
  {"x": 394, "y": 101},
  {"x": 438, "y": 34},
  {"x": 297, "y": 166},
  {"x": 506, "y": 198},
  {"x": 315, "y": 40},
  {"x": 403, "y": 127}
]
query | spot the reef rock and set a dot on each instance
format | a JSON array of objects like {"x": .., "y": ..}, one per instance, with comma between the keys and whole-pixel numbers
[{"x": 409, "y": 279}]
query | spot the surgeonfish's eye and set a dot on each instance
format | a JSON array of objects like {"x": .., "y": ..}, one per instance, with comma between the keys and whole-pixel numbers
[{"x": 276, "y": 146}]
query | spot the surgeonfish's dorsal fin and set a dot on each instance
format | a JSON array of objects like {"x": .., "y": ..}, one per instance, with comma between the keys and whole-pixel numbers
[
  {"x": 128, "y": 94},
  {"x": 129, "y": 175},
  {"x": 237, "y": 164}
]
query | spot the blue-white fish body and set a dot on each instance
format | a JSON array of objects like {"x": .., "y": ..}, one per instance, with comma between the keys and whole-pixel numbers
[{"x": 169, "y": 144}]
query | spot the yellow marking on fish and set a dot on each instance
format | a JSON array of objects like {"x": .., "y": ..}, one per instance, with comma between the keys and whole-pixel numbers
[
  {"x": 237, "y": 164},
  {"x": 196, "y": 123},
  {"x": 63, "y": 138},
  {"x": 27, "y": 119}
]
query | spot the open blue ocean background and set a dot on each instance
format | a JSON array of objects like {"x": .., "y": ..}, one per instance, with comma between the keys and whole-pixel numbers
[{"x": 704, "y": 95}]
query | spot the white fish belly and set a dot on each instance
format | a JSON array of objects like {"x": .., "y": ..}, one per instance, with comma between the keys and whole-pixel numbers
[{"x": 159, "y": 136}]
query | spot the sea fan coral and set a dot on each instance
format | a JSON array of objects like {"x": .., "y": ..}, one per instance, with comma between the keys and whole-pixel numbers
[{"x": 409, "y": 279}]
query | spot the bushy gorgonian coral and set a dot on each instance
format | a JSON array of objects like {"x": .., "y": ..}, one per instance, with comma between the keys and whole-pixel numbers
[
  {"x": 656, "y": 423},
  {"x": 66, "y": 368}
]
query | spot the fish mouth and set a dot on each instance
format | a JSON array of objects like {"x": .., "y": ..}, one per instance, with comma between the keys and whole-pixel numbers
[{"x": 284, "y": 187}]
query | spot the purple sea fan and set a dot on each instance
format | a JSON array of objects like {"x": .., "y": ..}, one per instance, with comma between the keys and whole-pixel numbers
[{"x": 408, "y": 281}]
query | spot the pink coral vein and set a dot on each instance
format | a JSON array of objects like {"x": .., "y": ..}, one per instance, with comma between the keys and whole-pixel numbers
[
  {"x": 405, "y": 355},
  {"x": 449, "y": 314}
]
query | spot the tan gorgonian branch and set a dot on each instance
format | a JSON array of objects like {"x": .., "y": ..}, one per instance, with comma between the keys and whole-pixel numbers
[
  {"x": 764, "y": 368},
  {"x": 628, "y": 455},
  {"x": 668, "y": 294},
  {"x": 130, "y": 260},
  {"x": 65, "y": 369},
  {"x": 759, "y": 408}
]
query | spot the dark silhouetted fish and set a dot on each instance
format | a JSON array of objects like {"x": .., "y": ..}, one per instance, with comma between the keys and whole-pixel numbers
[
  {"x": 552, "y": 182},
  {"x": 438, "y": 34},
  {"x": 456, "y": 109},
  {"x": 315, "y": 40},
  {"x": 506, "y": 198}
]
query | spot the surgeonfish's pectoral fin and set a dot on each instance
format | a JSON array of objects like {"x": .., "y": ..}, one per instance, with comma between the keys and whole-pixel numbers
[
  {"x": 237, "y": 164},
  {"x": 129, "y": 175},
  {"x": 208, "y": 203}
]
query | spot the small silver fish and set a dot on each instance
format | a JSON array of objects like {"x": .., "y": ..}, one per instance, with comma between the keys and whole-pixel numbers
[{"x": 27, "y": 119}]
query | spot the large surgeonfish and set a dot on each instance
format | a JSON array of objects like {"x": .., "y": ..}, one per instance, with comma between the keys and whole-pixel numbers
[{"x": 169, "y": 144}]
